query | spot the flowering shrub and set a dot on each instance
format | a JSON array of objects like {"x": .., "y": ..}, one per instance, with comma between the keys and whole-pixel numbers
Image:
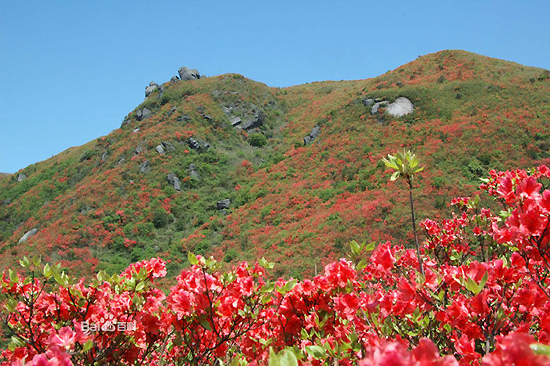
[{"x": 483, "y": 299}]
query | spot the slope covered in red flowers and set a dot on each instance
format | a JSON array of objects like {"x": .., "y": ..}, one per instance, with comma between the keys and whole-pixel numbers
[{"x": 111, "y": 202}]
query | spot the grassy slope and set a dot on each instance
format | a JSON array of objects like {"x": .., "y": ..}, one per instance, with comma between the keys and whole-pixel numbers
[{"x": 296, "y": 205}]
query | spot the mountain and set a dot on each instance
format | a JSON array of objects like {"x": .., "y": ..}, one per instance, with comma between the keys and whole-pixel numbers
[{"x": 230, "y": 167}]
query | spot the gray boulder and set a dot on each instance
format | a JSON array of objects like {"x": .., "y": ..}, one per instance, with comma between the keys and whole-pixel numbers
[
  {"x": 174, "y": 181},
  {"x": 28, "y": 234},
  {"x": 167, "y": 146},
  {"x": 400, "y": 107},
  {"x": 145, "y": 167},
  {"x": 256, "y": 121},
  {"x": 174, "y": 79},
  {"x": 150, "y": 88},
  {"x": 367, "y": 102},
  {"x": 235, "y": 121},
  {"x": 377, "y": 105},
  {"x": 188, "y": 74},
  {"x": 161, "y": 92},
  {"x": 146, "y": 113},
  {"x": 223, "y": 204},
  {"x": 193, "y": 173},
  {"x": 143, "y": 114},
  {"x": 21, "y": 177},
  {"x": 160, "y": 149},
  {"x": 315, "y": 132},
  {"x": 104, "y": 156},
  {"x": 197, "y": 145}
]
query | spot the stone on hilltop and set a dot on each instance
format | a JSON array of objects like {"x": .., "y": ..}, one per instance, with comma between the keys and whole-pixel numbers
[
  {"x": 188, "y": 74},
  {"x": 150, "y": 88}
]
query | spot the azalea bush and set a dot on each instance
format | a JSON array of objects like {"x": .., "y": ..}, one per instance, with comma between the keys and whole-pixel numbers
[{"x": 483, "y": 298}]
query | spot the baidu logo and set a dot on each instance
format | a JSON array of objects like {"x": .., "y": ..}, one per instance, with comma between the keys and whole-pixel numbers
[{"x": 107, "y": 324}]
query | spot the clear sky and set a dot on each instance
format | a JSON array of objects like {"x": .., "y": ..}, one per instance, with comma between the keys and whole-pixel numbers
[{"x": 71, "y": 70}]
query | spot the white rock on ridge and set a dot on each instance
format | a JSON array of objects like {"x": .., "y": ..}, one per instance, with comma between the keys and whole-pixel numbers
[{"x": 400, "y": 107}]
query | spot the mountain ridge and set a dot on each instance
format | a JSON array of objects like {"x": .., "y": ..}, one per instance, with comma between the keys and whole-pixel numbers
[{"x": 109, "y": 202}]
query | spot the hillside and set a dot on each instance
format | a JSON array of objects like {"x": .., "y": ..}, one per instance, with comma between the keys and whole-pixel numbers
[{"x": 219, "y": 166}]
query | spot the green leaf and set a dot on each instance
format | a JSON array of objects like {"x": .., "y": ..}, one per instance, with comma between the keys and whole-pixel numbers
[
  {"x": 206, "y": 325},
  {"x": 540, "y": 349},
  {"x": 316, "y": 352},
  {"x": 11, "y": 305},
  {"x": 192, "y": 259},
  {"x": 370, "y": 246},
  {"x": 25, "y": 263},
  {"x": 13, "y": 276},
  {"x": 394, "y": 176},
  {"x": 355, "y": 248},
  {"x": 483, "y": 282},
  {"x": 472, "y": 286},
  {"x": 289, "y": 285},
  {"x": 48, "y": 271},
  {"x": 36, "y": 261},
  {"x": 362, "y": 264},
  {"x": 285, "y": 358},
  {"x": 235, "y": 362},
  {"x": 140, "y": 286},
  {"x": 88, "y": 345},
  {"x": 17, "y": 342}
]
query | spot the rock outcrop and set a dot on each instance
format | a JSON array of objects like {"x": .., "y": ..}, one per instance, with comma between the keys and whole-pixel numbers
[
  {"x": 174, "y": 181},
  {"x": 188, "y": 74},
  {"x": 223, "y": 204},
  {"x": 400, "y": 107},
  {"x": 145, "y": 167},
  {"x": 193, "y": 173},
  {"x": 255, "y": 121},
  {"x": 198, "y": 145},
  {"x": 143, "y": 114},
  {"x": 150, "y": 88},
  {"x": 315, "y": 132}
]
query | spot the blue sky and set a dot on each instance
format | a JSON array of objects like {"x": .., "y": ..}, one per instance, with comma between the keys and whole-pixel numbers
[{"x": 71, "y": 70}]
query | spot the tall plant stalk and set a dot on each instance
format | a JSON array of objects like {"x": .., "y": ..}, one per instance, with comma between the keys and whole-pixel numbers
[{"x": 406, "y": 164}]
